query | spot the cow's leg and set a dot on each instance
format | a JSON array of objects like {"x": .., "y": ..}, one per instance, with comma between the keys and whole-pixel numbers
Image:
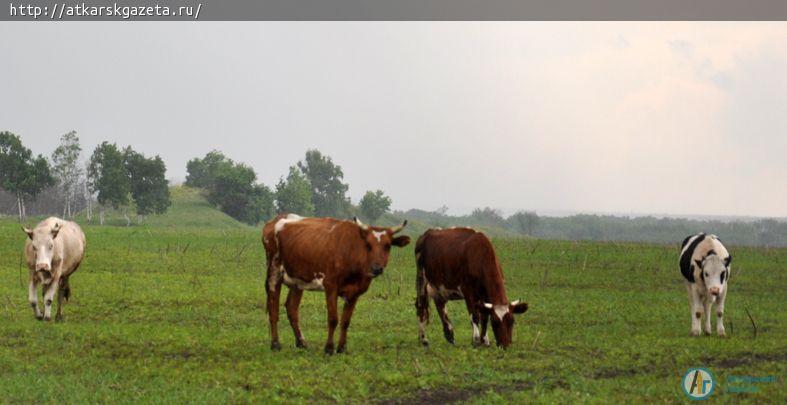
[
  {"x": 347, "y": 313},
  {"x": 695, "y": 302},
  {"x": 448, "y": 328},
  {"x": 720, "y": 314},
  {"x": 475, "y": 319},
  {"x": 32, "y": 295},
  {"x": 331, "y": 295},
  {"x": 422, "y": 308},
  {"x": 273, "y": 289},
  {"x": 706, "y": 309},
  {"x": 484, "y": 324},
  {"x": 62, "y": 292},
  {"x": 292, "y": 304},
  {"x": 49, "y": 295}
]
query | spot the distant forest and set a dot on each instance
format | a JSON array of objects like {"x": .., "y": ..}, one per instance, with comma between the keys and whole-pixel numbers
[
  {"x": 762, "y": 232},
  {"x": 126, "y": 181}
]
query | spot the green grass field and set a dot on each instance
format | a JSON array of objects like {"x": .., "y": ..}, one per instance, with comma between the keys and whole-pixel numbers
[{"x": 161, "y": 313}]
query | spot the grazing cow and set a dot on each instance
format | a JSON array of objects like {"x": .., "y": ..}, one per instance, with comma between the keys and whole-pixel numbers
[
  {"x": 323, "y": 254},
  {"x": 460, "y": 263},
  {"x": 705, "y": 264},
  {"x": 54, "y": 250}
]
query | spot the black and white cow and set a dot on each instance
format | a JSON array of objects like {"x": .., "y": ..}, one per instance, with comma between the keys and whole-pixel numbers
[{"x": 705, "y": 264}]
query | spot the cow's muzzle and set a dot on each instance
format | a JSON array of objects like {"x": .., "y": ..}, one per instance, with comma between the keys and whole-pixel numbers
[
  {"x": 376, "y": 271},
  {"x": 714, "y": 290},
  {"x": 42, "y": 267}
]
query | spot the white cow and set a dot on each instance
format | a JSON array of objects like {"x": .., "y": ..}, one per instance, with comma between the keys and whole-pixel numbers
[
  {"x": 54, "y": 250},
  {"x": 705, "y": 264}
]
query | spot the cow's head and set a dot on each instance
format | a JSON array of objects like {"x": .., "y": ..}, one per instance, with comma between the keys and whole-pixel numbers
[
  {"x": 42, "y": 244},
  {"x": 714, "y": 271},
  {"x": 502, "y": 319},
  {"x": 378, "y": 242}
]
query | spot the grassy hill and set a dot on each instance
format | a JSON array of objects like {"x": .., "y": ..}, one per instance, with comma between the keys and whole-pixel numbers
[{"x": 191, "y": 209}]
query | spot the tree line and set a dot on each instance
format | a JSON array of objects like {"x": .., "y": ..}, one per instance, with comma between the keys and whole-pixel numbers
[
  {"x": 112, "y": 177},
  {"x": 313, "y": 186}
]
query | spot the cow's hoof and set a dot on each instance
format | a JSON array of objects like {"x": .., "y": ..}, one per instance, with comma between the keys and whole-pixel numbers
[
  {"x": 722, "y": 334},
  {"x": 425, "y": 343},
  {"x": 707, "y": 333},
  {"x": 40, "y": 317},
  {"x": 449, "y": 337},
  {"x": 329, "y": 350},
  {"x": 301, "y": 344},
  {"x": 59, "y": 318},
  {"x": 275, "y": 346},
  {"x": 695, "y": 333},
  {"x": 47, "y": 318},
  {"x": 341, "y": 349}
]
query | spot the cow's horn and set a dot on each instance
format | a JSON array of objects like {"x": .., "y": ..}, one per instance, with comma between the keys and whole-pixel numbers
[
  {"x": 399, "y": 228},
  {"x": 361, "y": 224},
  {"x": 513, "y": 304},
  {"x": 488, "y": 305}
]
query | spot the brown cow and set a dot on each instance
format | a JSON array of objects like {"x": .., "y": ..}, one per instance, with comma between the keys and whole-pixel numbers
[
  {"x": 323, "y": 254},
  {"x": 460, "y": 263}
]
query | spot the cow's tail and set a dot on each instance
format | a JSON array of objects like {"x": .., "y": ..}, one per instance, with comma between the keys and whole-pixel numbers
[{"x": 422, "y": 297}]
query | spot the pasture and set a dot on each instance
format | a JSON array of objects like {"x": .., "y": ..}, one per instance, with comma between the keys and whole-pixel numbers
[{"x": 175, "y": 314}]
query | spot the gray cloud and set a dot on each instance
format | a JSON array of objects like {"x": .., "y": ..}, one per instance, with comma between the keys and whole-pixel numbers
[{"x": 544, "y": 116}]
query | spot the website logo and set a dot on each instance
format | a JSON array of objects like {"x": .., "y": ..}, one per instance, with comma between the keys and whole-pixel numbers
[{"x": 698, "y": 383}]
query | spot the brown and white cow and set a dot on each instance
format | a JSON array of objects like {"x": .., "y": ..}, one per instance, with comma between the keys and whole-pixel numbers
[
  {"x": 54, "y": 250},
  {"x": 323, "y": 254},
  {"x": 460, "y": 263}
]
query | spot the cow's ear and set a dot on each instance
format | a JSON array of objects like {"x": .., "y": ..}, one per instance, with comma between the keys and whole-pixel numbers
[
  {"x": 28, "y": 232},
  {"x": 484, "y": 307},
  {"x": 55, "y": 230},
  {"x": 401, "y": 241},
  {"x": 728, "y": 260},
  {"x": 518, "y": 307}
]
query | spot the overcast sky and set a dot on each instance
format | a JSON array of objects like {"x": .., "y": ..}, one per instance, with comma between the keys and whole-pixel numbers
[{"x": 672, "y": 118}]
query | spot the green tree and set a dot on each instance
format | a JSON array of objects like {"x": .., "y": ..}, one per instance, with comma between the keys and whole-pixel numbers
[
  {"x": 20, "y": 173},
  {"x": 295, "y": 194},
  {"x": 488, "y": 216},
  {"x": 109, "y": 177},
  {"x": 202, "y": 172},
  {"x": 38, "y": 177},
  {"x": 328, "y": 191},
  {"x": 237, "y": 194},
  {"x": 525, "y": 222},
  {"x": 67, "y": 170},
  {"x": 149, "y": 186},
  {"x": 374, "y": 204}
]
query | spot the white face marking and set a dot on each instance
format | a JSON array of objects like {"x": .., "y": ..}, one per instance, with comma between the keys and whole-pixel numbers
[
  {"x": 284, "y": 221},
  {"x": 378, "y": 235},
  {"x": 501, "y": 311}
]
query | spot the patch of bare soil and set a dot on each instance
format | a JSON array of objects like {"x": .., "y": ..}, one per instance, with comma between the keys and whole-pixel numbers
[{"x": 747, "y": 358}]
